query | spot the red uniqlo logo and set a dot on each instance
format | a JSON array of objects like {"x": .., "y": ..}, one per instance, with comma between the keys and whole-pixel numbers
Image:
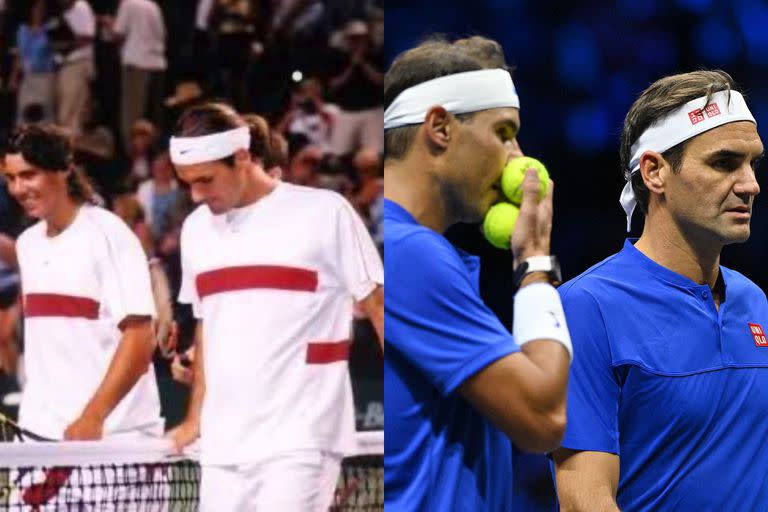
[
  {"x": 712, "y": 110},
  {"x": 759, "y": 335},
  {"x": 696, "y": 116}
]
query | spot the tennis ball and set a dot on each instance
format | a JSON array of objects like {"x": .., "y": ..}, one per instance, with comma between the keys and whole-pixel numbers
[
  {"x": 499, "y": 223},
  {"x": 514, "y": 174}
]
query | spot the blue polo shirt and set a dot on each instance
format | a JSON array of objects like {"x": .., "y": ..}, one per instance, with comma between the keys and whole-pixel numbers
[
  {"x": 439, "y": 452},
  {"x": 676, "y": 388}
]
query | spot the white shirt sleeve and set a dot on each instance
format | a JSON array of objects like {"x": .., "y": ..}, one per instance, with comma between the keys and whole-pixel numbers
[
  {"x": 188, "y": 291},
  {"x": 81, "y": 19},
  {"x": 358, "y": 263},
  {"x": 124, "y": 274}
]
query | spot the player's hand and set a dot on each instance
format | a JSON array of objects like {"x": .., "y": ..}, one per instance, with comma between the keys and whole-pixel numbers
[
  {"x": 167, "y": 335},
  {"x": 84, "y": 428},
  {"x": 534, "y": 225},
  {"x": 181, "y": 367},
  {"x": 184, "y": 434}
]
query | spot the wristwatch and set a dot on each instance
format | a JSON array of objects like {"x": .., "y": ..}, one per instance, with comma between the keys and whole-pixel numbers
[{"x": 546, "y": 264}]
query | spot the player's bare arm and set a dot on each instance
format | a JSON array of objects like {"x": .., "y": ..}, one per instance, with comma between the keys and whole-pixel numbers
[
  {"x": 586, "y": 480},
  {"x": 373, "y": 306},
  {"x": 531, "y": 408},
  {"x": 189, "y": 429},
  {"x": 130, "y": 362}
]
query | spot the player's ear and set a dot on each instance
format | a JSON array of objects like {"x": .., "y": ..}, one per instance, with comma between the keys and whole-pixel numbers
[
  {"x": 654, "y": 168},
  {"x": 438, "y": 128},
  {"x": 242, "y": 158}
]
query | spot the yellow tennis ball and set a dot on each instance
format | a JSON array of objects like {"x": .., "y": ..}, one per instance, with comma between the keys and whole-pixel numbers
[
  {"x": 514, "y": 174},
  {"x": 499, "y": 223}
]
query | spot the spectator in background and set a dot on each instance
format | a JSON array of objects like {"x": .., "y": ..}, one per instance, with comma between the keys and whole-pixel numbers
[
  {"x": 140, "y": 148},
  {"x": 75, "y": 31},
  {"x": 96, "y": 139},
  {"x": 202, "y": 15},
  {"x": 158, "y": 196},
  {"x": 370, "y": 189},
  {"x": 356, "y": 88},
  {"x": 309, "y": 118},
  {"x": 140, "y": 29},
  {"x": 32, "y": 113},
  {"x": 95, "y": 150},
  {"x": 234, "y": 26},
  {"x": 33, "y": 74},
  {"x": 126, "y": 206},
  {"x": 296, "y": 20},
  {"x": 9, "y": 304},
  {"x": 303, "y": 166}
]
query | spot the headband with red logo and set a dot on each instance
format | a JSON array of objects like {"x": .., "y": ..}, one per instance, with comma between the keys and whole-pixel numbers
[{"x": 692, "y": 119}]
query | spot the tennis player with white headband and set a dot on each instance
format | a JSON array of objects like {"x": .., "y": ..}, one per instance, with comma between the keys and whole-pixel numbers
[
  {"x": 272, "y": 271},
  {"x": 458, "y": 386},
  {"x": 667, "y": 394}
]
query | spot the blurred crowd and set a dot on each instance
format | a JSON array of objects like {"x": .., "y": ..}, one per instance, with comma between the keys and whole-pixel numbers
[{"x": 117, "y": 74}]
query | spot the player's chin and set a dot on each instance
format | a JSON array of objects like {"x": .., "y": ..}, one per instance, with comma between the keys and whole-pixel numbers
[
  {"x": 743, "y": 234},
  {"x": 738, "y": 234},
  {"x": 34, "y": 211},
  {"x": 216, "y": 207}
]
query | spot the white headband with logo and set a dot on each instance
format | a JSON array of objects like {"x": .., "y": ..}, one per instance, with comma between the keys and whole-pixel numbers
[
  {"x": 686, "y": 122},
  {"x": 208, "y": 148},
  {"x": 459, "y": 93}
]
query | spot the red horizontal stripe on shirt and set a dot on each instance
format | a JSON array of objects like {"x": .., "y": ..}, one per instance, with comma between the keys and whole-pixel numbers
[
  {"x": 257, "y": 276},
  {"x": 51, "y": 304},
  {"x": 328, "y": 352}
]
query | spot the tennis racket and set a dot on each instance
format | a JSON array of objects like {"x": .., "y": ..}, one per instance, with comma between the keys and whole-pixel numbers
[{"x": 11, "y": 431}]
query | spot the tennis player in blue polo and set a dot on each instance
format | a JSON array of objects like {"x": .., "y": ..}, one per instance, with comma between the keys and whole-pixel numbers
[
  {"x": 667, "y": 400},
  {"x": 458, "y": 386}
]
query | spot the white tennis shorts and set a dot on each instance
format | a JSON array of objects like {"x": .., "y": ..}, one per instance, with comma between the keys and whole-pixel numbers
[{"x": 300, "y": 481}]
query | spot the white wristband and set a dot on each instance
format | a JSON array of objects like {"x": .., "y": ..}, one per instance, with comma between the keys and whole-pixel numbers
[{"x": 539, "y": 315}]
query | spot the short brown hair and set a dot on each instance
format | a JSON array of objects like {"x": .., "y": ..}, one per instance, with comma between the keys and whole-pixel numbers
[
  {"x": 433, "y": 58},
  {"x": 658, "y": 100},
  {"x": 49, "y": 147}
]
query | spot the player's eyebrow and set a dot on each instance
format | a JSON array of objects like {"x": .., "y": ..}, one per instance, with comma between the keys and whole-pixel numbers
[
  {"x": 508, "y": 122},
  {"x": 728, "y": 154}
]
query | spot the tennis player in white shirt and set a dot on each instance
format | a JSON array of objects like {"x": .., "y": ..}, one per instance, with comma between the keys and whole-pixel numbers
[
  {"x": 272, "y": 271},
  {"x": 87, "y": 299}
]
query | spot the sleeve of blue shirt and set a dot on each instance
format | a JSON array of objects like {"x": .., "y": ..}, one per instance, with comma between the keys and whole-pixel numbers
[
  {"x": 435, "y": 318},
  {"x": 593, "y": 391}
]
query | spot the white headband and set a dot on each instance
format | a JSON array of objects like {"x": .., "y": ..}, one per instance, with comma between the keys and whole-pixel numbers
[
  {"x": 459, "y": 93},
  {"x": 208, "y": 148},
  {"x": 686, "y": 122}
]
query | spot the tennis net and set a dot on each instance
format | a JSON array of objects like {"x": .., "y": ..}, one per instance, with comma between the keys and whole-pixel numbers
[{"x": 143, "y": 476}]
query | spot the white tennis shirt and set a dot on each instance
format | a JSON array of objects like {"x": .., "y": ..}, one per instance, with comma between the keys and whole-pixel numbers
[
  {"x": 274, "y": 284},
  {"x": 77, "y": 287}
]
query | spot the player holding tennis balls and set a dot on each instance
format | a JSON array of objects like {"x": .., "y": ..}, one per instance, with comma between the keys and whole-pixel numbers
[
  {"x": 460, "y": 389},
  {"x": 501, "y": 218}
]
